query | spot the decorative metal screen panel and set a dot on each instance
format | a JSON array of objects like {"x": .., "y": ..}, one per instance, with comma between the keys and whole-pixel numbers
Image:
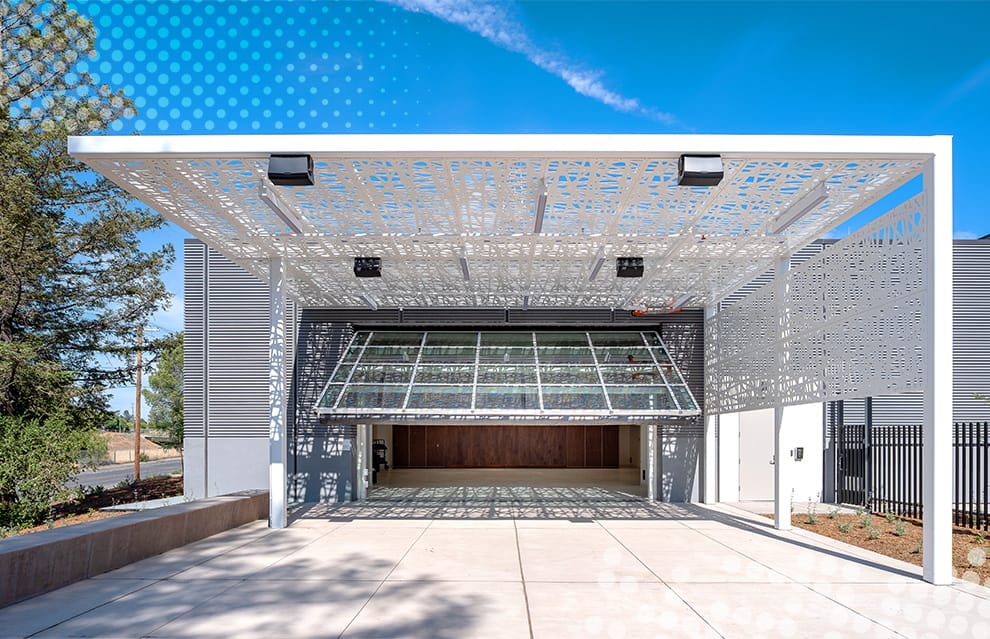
[
  {"x": 457, "y": 229},
  {"x": 846, "y": 323},
  {"x": 560, "y": 375}
]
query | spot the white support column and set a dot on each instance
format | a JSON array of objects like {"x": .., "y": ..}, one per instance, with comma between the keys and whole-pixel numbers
[
  {"x": 651, "y": 462},
  {"x": 361, "y": 463},
  {"x": 709, "y": 477},
  {"x": 277, "y": 449},
  {"x": 782, "y": 481},
  {"x": 937, "y": 428},
  {"x": 728, "y": 457}
]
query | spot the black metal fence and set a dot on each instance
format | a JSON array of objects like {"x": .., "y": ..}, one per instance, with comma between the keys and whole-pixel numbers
[{"x": 879, "y": 467}]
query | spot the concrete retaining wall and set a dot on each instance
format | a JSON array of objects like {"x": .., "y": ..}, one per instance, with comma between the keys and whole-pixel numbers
[{"x": 43, "y": 561}]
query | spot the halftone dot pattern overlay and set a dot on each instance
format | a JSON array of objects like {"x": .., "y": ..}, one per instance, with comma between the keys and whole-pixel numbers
[{"x": 256, "y": 67}]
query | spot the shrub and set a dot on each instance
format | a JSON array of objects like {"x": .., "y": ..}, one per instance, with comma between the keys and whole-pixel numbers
[
  {"x": 900, "y": 528},
  {"x": 874, "y": 533},
  {"x": 866, "y": 521},
  {"x": 890, "y": 517},
  {"x": 833, "y": 513},
  {"x": 844, "y": 528},
  {"x": 37, "y": 457}
]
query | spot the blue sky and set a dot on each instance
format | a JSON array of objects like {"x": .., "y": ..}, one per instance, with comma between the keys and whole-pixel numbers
[{"x": 408, "y": 66}]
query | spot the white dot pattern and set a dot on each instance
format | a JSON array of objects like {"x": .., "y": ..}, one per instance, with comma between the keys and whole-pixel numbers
[{"x": 253, "y": 66}]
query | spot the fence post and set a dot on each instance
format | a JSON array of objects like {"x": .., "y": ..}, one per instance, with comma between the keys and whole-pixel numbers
[{"x": 868, "y": 488}]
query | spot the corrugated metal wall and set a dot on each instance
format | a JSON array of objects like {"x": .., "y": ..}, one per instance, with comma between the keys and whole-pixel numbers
[
  {"x": 194, "y": 350},
  {"x": 237, "y": 351}
]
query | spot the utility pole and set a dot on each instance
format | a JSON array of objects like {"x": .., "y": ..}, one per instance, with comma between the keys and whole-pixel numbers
[{"x": 137, "y": 412}]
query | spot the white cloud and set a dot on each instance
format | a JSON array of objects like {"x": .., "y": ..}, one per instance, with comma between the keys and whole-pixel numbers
[
  {"x": 975, "y": 80},
  {"x": 965, "y": 235},
  {"x": 491, "y": 20}
]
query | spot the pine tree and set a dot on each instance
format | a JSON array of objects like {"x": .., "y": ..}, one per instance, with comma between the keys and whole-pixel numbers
[{"x": 74, "y": 281}]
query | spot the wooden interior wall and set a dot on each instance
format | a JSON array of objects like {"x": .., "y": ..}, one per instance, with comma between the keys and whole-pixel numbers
[{"x": 505, "y": 446}]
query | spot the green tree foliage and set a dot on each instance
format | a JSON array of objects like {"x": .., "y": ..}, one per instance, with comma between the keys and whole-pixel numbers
[
  {"x": 74, "y": 281},
  {"x": 38, "y": 456},
  {"x": 164, "y": 391}
]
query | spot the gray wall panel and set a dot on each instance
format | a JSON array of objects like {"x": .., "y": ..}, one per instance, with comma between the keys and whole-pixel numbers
[
  {"x": 194, "y": 467},
  {"x": 236, "y": 463},
  {"x": 321, "y": 455}
]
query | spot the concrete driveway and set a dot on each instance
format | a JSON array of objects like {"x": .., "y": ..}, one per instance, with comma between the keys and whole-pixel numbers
[{"x": 450, "y": 563}]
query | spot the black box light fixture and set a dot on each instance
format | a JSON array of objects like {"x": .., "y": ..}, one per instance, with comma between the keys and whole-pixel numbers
[
  {"x": 699, "y": 170},
  {"x": 368, "y": 266},
  {"x": 290, "y": 170},
  {"x": 629, "y": 267}
]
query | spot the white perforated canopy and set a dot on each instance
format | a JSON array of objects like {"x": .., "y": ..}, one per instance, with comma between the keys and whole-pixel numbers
[{"x": 454, "y": 218}]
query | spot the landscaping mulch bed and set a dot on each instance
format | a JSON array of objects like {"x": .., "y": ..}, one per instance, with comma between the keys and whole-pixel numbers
[
  {"x": 970, "y": 550},
  {"x": 88, "y": 507}
]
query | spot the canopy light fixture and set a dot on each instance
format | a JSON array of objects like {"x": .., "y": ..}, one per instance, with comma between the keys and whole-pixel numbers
[
  {"x": 597, "y": 267},
  {"x": 281, "y": 209},
  {"x": 370, "y": 301},
  {"x": 699, "y": 170},
  {"x": 464, "y": 268},
  {"x": 807, "y": 203},
  {"x": 680, "y": 302},
  {"x": 541, "y": 208},
  {"x": 629, "y": 267},
  {"x": 368, "y": 266},
  {"x": 290, "y": 170}
]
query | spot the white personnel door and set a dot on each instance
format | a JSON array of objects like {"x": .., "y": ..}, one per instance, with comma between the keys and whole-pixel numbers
[{"x": 756, "y": 455}]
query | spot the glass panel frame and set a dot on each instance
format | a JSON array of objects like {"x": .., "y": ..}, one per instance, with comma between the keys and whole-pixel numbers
[
  {"x": 375, "y": 373},
  {"x": 554, "y": 374},
  {"x": 433, "y": 395},
  {"x": 565, "y": 355},
  {"x": 641, "y": 398},
  {"x": 523, "y": 397},
  {"x": 507, "y": 374},
  {"x": 460, "y": 374},
  {"x": 506, "y": 355},
  {"x": 402, "y": 374},
  {"x": 571, "y": 397},
  {"x": 373, "y": 395}
]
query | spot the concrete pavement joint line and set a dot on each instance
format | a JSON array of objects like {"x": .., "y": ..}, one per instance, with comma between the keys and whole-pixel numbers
[
  {"x": 384, "y": 579},
  {"x": 522, "y": 578},
  {"x": 660, "y": 579},
  {"x": 86, "y": 612},
  {"x": 211, "y": 558},
  {"x": 806, "y": 586},
  {"x": 153, "y": 582},
  {"x": 193, "y": 607}
]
